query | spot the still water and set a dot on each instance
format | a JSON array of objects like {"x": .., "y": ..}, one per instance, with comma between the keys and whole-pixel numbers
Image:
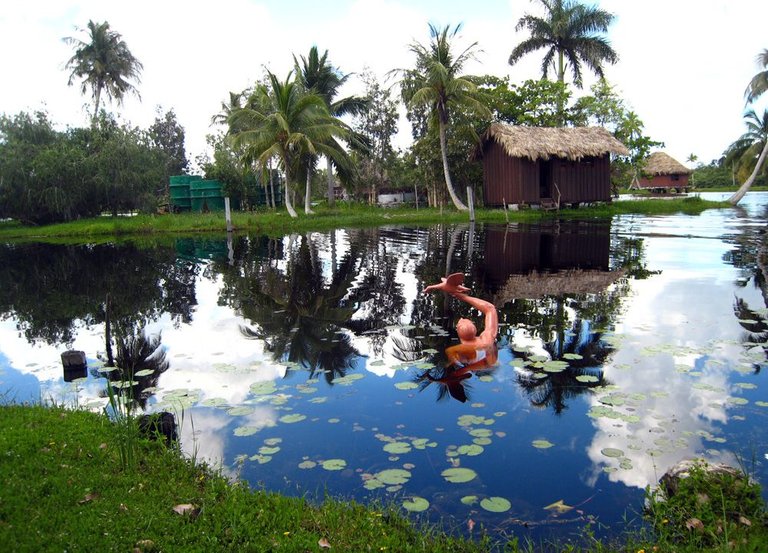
[{"x": 314, "y": 365}]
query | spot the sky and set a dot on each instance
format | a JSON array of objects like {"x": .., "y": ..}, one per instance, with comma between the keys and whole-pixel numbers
[{"x": 683, "y": 67}]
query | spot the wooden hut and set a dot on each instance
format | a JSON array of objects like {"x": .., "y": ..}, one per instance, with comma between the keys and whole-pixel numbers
[
  {"x": 663, "y": 173},
  {"x": 547, "y": 166}
]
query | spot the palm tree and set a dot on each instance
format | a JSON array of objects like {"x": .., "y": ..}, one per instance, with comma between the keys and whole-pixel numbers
[
  {"x": 751, "y": 146},
  {"x": 759, "y": 83},
  {"x": 756, "y": 88},
  {"x": 316, "y": 74},
  {"x": 280, "y": 120},
  {"x": 436, "y": 82},
  {"x": 104, "y": 63},
  {"x": 569, "y": 31}
]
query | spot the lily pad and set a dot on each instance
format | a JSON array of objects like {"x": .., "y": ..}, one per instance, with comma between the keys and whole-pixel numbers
[
  {"x": 246, "y": 430},
  {"x": 347, "y": 380},
  {"x": 586, "y": 378},
  {"x": 469, "y": 499},
  {"x": 261, "y": 459},
  {"x": 307, "y": 465},
  {"x": 144, "y": 372},
  {"x": 397, "y": 448},
  {"x": 496, "y": 504},
  {"x": 470, "y": 450},
  {"x": 406, "y": 385},
  {"x": 334, "y": 464},
  {"x": 292, "y": 418},
  {"x": 393, "y": 477},
  {"x": 542, "y": 444},
  {"x": 263, "y": 388},
  {"x": 416, "y": 504},
  {"x": 266, "y": 450},
  {"x": 240, "y": 410},
  {"x": 612, "y": 452},
  {"x": 459, "y": 475}
]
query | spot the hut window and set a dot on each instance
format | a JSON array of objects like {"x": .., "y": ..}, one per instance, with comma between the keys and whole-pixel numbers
[{"x": 675, "y": 177}]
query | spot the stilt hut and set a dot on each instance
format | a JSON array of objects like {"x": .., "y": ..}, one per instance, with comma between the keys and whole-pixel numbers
[
  {"x": 547, "y": 167},
  {"x": 663, "y": 173}
]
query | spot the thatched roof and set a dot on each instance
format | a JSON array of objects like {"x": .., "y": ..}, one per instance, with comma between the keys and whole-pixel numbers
[
  {"x": 536, "y": 285},
  {"x": 572, "y": 143},
  {"x": 659, "y": 163}
]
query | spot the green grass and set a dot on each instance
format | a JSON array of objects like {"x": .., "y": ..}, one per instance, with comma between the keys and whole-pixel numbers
[
  {"x": 64, "y": 488},
  {"x": 275, "y": 223}
]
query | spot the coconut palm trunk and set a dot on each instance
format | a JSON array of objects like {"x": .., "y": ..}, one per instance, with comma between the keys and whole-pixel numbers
[
  {"x": 308, "y": 191},
  {"x": 744, "y": 188},
  {"x": 448, "y": 182},
  {"x": 329, "y": 168}
]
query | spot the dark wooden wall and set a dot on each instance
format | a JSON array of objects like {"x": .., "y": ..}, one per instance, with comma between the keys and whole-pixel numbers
[
  {"x": 664, "y": 181},
  {"x": 517, "y": 180}
]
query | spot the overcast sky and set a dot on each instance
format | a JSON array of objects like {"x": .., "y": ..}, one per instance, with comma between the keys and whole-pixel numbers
[{"x": 684, "y": 64}]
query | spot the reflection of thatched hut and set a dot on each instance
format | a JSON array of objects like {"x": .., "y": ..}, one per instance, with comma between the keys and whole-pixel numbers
[
  {"x": 547, "y": 166},
  {"x": 662, "y": 172},
  {"x": 574, "y": 282}
]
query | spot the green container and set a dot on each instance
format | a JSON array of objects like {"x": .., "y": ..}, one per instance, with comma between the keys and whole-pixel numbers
[
  {"x": 178, "y": 190},
  {"x": 206, "y": 195}
]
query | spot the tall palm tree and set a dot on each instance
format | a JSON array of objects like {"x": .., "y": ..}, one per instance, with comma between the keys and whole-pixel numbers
[
  {"x": 105, "y": 64},
  {"x": 280, "y": 120},
  {"x": 316, "y": 74},
  {"x": 750, "y": 146},
  {"x": 570, "y": 33},
  {"x": 437, "y": 83},
  {"x": 756, "y": 88}
]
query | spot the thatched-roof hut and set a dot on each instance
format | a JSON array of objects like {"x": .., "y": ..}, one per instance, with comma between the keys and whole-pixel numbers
[
  {"x": 663, "y": 172},
  {"x": 547, "y": 166}
]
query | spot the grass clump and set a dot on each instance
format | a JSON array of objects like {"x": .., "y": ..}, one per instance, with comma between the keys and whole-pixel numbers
[
  {"x": 65, "y": 488},
  {"x": 710, "y": 509}
]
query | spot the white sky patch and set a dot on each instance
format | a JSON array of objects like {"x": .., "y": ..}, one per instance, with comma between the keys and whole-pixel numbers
[{"x": 683, "y": 65}]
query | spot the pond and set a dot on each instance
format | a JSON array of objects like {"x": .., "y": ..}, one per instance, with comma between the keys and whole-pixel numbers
[{"x": 315, "y": 365}]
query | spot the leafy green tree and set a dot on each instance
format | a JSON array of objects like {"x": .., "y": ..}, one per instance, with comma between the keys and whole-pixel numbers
[
  {"x": 744, "y": 155},
  {"x": 282, "y": 121},
  {"x": 756, "y": 88},
  {"x": 378, "y": 124},
  {"x": 436, "y": 82},
  {"x": 104, "y": 63},
  {"x": 167, "y": 135},
  {"x": 316, "y": 74},
  {"x": 570, "y": 34},
  {"x": 532, "y": 103}
]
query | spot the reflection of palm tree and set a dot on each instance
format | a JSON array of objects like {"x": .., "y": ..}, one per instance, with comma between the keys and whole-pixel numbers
[
  {"x": 140, "y": 359},
  {"x": 755, "y": 326},
  {"x": 555, "y": 388}
]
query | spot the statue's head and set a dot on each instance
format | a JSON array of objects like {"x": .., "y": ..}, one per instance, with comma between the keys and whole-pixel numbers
[{"x": 466, "y": 330}]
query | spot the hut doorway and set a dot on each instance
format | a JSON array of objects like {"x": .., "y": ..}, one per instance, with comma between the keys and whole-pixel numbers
[{"x": 545, "y": 179}]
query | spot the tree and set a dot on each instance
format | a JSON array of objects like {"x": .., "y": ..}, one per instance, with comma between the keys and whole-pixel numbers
[
  {"x": 570, "y": 32},
  {"x": 756, "y": 88},
  {"x": 167, "y": 136},
  {"x": 105, "y": 64},
  {"x": 436, "y": 82},
  {"x": 281, "y": 120},
  {"x": 378, "y": 124},
  {"x": 316, "y": 74},
  {"x": 747, "y": 153}
]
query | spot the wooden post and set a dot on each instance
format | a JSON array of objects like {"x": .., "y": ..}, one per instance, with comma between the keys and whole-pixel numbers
[
  {"x": 228, "y": 214},
  {"x": 471, "y": 202}
]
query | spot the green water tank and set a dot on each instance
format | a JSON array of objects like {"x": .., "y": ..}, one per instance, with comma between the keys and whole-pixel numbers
[
  {"x": 206, "y": 195},
  {"x": 179, "y": 192}
]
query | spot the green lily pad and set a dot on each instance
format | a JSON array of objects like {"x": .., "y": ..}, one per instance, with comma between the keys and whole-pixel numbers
[
  {"x": 334, "y": 464},
  {"x": 266, "y": 450},
  {"x": 416, "y": 504},
  {"x": 214, "y": 402},
  {"x": 144, "y": 372},
  {"x": 347, "y": 380},
  {"x": 406, "y": 385},
  {"x": 459, "y": 475},
  {"x": 307, "y": 465},
  {"x": 572, "y": 356},
  {"x": 612, "y": 452},
  {"x": 587, "y": 378},
  {"x": 481, "y": 433},
  {"x": 496, "y": 504},
  {"x": 542, "y": 444},
  {"x": 263, "y": 388},
  {"x": 393, "y": 477},
  {"x": 322, "y": 399},
  {"x": 397, "y": 448},
  {"x": 240, "y": 410},
  {"x": 292, "y": 418},
  {"x": 469, "y": 499},
  {"x": 246, "y": 430},
  {"x": 373, "y": 484},
  {"x": 470, "y": 450},
  {"x": 261, "y": 459}
]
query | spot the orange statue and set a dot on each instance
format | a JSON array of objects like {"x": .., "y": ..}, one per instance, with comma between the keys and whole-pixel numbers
[{"x": 476, "y": 351}]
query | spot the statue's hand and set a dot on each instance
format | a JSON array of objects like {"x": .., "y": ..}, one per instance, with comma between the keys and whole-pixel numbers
[{"x": 452, "y": 284}]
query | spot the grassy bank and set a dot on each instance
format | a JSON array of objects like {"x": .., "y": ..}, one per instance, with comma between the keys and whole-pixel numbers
[
  {"x": 66, "y": 487},
  {"x": 344, "y": 216}
]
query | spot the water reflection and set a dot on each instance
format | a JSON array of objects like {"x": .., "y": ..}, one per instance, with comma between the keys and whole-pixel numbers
[{"x": 612, "y": 337}]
